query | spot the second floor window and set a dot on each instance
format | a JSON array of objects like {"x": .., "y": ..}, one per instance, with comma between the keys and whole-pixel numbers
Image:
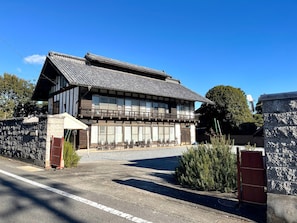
[
  {"x": 63, "y": 82},
  {"x": 185, "y": 111},
  {"x": 145, "y": 108},
  {"x": 104, "y": 102}
]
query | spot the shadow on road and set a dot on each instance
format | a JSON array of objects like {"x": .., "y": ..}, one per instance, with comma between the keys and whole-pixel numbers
[
  {"x": 20, "y": 205},
  {"x": 255, "y": 213},
  {"x": 166, "y": 163}
]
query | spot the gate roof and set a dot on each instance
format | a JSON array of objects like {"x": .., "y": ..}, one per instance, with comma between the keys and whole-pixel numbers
[{"x": 72, "y": 123}]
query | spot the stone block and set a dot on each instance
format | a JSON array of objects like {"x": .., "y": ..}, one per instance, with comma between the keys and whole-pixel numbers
[
  {"x": 294, "y": 188},
  {"x": 280, "y": 105},
  {"x": 31, "y": 156},
  {"x": 282, "y": 173},
  {"x": 285, "y": 132},
  {"x": 286, "y": 158},
  {"x": 281, "y": 187},
  {"x": 281, "y": 119}
]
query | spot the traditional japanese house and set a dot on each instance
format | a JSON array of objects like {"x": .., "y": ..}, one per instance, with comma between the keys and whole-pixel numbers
[{"x": 123, "y": 104}]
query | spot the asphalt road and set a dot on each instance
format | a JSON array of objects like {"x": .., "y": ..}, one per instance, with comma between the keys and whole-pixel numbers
[
  {"x": 112, "y": 186},
  {"x": 23, "y": 202}
]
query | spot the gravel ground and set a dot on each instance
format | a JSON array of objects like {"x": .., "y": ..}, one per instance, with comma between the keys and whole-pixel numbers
[{"x": 94, "y": 155}]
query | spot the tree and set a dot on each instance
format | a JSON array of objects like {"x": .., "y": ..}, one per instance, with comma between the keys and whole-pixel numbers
[
  {"x": 30, "y": 108},
  {"x": 230, "y": 110},
  {"x": 15, "y": 96},
  {"x": 259, "y": 120}
]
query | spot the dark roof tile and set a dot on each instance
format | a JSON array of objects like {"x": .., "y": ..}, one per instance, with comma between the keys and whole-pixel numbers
[{"x": 78, "y": 71}]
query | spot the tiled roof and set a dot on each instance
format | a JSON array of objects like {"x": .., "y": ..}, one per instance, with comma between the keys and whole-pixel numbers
[
  {"x": 92, "y": 58},
  {"x": 82, "y": 72}
]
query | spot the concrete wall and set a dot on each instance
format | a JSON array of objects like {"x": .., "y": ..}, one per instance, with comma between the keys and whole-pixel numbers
[
  {"x": 280, "y": 143},
  {"x": 28, "y": 139}
]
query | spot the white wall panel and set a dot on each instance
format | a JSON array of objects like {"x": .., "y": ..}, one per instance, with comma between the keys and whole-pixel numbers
[
  {"x": 178, "y": 133},
  {"x": 71, "y": 101},
  {"x": 94, "y": 134},
  {"x": 75, "y": 101},
  {"x": 193, "y": 133},
  {"x": 67, "y": 102}
]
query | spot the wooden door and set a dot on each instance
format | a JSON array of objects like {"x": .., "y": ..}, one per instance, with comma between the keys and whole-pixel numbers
[
  {"x": 251, "y": 177},
  {"x": 185, "y": 136},
  {"x": 82, "y": 139},
  {"x": 56, "y": 152}
]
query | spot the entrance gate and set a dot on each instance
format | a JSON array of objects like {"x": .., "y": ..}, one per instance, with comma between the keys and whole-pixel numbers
[
  {"x": 185, "y": 135},
  {"x": 251, "y": 178}
]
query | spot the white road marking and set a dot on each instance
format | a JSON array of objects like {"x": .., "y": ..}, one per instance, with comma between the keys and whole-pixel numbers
[{"x": 77, "y": 198}]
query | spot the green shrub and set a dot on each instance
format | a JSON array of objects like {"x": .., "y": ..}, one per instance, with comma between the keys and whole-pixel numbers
[
  {"x": 208, "y": 166},
  {"x": 71, "y": 158}
]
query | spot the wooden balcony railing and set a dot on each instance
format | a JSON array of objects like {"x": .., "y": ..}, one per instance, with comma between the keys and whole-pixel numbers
[{"x": 116, "y": 114}]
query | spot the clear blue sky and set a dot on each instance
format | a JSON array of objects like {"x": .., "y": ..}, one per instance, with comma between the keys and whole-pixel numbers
[{"x": 247, "y": 44}]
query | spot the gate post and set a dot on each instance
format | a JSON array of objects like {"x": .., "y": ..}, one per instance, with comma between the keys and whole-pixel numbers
[{"x": 280, "y": 137}]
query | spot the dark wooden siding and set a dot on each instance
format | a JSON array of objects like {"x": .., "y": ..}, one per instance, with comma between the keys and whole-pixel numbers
[{"x": 82, "y": 139}]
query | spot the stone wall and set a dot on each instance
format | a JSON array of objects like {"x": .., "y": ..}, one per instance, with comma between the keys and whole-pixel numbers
[
  {"x": 29, "y": 139},
  {"x": 280, "y": 143},
  {"x": 24, "y": 139}
]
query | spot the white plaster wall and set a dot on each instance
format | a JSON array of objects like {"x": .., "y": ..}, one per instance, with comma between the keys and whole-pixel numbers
[
  {"x": 94, "y": 133},
  {"x": 75, "y": 101},
  {"x": 193, "y": 133},
  {"x": 177, "y": 133}
]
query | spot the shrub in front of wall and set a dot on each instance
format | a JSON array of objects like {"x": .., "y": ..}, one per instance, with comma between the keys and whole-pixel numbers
[
  {"x": 208, "y": 166},
  {"x": 71, "y": 158}
]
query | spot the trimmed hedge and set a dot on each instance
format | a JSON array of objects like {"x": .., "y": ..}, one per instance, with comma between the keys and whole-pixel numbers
[{"x": 209, "y": 166}]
